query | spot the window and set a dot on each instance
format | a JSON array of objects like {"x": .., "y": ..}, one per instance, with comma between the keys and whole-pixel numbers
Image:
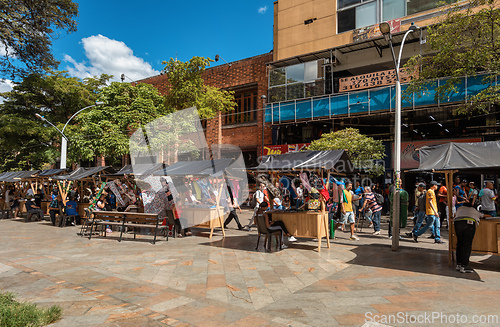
[
  {"x": 245, "y": 110},
  {"x": 353, "y": 14},
  {"x": 296, "y": 82}
]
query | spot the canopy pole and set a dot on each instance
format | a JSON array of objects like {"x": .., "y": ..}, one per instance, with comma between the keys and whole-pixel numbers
[{"x": 451, "y": 229}]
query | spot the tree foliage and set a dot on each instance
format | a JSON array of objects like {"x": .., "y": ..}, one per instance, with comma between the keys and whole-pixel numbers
[
  {"x": 187, "y": 88},
  {"x": 362, "y": 149},
  {"x": 105, "y": 130},
  {"x": 25, "y": 141},
  {"x": 464, "y": 42},
  {"x": 26, "y": 33}
]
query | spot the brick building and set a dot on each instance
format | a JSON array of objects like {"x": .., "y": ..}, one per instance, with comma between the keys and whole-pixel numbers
[{"x": 242, "y": 127}]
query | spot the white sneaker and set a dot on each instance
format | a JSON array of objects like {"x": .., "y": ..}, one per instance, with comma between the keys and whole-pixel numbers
[
  {"x": 109, "y": 231},
  {"x": 283, "y": 246},
  {"x": 354, "y": 238},
  {"x": 292, "y": 239},
  {"x": 376, "y": 233}
]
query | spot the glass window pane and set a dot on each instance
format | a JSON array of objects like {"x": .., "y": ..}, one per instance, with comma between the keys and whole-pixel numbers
[
  {"x": 345, "y": 3},
  {"x": 415, "y": 6},
  {"x": 366, "y": 15},
  {"x": 346, "y": 20},
  {"x": 277, "y": 77},
  {"x": 295, "y": 73},
  {"x": 311, "y": 71},
  {"x": 393, "y": 9},
  {"x": 277, "y": 94},
  {"x": 295, "y": 91}
]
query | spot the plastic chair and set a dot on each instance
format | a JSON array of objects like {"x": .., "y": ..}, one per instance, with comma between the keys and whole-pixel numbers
[{"x": 262, "y": 229}]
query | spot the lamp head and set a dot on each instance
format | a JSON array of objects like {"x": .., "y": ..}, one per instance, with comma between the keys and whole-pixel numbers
[
  {"x": 385, "y": 28},
  {"x": 216, "y": 57},
  {"x": 413, "y": 27},
  {"x": 98, "y": 103},
  {"x": 263, "y": 97},
  {"x": 40, "y": 117}
]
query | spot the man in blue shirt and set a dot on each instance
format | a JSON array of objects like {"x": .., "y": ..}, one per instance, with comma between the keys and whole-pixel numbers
[{"x": 71, "y": 210}]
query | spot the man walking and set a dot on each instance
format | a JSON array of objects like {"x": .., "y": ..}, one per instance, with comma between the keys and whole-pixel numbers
[
  {"x": 347, "y": 209},
  {"x": 419, "y": 210},
  {"x": 371, "y": 203},
  {"x": 432, "y": 216}
]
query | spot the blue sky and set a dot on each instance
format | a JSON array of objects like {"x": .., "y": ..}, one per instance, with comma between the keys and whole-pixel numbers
[{"x": 134, "y": 37}]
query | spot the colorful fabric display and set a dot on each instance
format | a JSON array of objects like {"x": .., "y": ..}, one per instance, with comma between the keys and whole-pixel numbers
[
  {"x": 114, "y": 188},
  {"x": 305, "y": 181}
]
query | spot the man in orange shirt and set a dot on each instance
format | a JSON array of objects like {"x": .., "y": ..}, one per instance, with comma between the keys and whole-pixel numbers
[
  {"x": 442, "y": 199},
  {"x": 432, "y": 216}
]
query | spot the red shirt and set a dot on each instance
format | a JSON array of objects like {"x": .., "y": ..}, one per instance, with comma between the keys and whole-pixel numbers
[{"x": 443, "y": 191}]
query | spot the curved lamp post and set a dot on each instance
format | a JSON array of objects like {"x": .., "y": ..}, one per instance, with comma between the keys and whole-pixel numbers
[
  {"x": 64, "y": 141},
  {"x": 385, "y": 28}
]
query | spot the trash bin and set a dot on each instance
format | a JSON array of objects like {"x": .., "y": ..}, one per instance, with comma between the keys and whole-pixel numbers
[
  {"x": 403, "y": 207},
  {"x": 332, "y": 229}
]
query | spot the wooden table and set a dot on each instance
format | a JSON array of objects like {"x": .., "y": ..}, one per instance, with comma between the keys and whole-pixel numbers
[
  {"x": 213, "y": 217},
  {"x": 487, "y": 237},
  {"x": 309, "y": 224}
]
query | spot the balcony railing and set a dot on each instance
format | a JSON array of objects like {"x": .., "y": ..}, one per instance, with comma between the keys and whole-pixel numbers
[{"x": 371, "y": 100}]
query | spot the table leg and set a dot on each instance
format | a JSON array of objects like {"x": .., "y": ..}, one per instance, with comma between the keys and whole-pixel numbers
[
  {"x": 327, "y": 232},
  {"x": 318, "y": 233},
  {"x": 221, "y": 221}
]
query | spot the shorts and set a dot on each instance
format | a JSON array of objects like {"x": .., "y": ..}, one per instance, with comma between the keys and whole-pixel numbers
[{"x": 348, "y": 217}]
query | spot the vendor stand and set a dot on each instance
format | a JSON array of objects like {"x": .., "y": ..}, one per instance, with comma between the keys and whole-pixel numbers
[
  {"x": 206, "y": 209},
  {"x": 471, "y": 158},
  {"x": 308, "y": 224}
]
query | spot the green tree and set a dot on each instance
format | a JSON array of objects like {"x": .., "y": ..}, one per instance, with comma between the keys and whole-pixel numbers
[
  {"x": 25, "y": 141},
  {"x": 362, "y": 149},
  {"x": 464, "y": 42},
  {"x": 187, "y": 89},
  {"x": 105, "y": 130},
  {"x": 26, "y": 33}
]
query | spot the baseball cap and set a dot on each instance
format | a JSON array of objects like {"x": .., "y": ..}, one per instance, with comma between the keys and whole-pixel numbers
[
  {"x": 434, "y": 183},
  {"x": 421, "y": 185}
]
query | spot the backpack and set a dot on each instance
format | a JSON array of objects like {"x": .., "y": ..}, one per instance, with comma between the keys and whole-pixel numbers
[
  {"x": 253, "y": 200},
  {"x": 379, "y": 198}
]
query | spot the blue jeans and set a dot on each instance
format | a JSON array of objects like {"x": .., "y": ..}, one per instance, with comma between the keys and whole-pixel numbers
[
  {"x": 492, "y": 213},
  {"x": 434, "y": 224},
  {"x": 376, "y": 220},
  {"x": 419, "y": 222}
]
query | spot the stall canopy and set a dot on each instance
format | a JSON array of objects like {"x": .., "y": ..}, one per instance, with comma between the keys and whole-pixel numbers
[
  {"x": 475, "y": 157},
  {"x": 198, "y": 168},
  {"x": 137, "y": 169},
  {"x": 16, "y": 176},
  {"x": 337, "y": 160},
  {"x": 82, "y": 172},
  {"x": 50, "y": 172}
]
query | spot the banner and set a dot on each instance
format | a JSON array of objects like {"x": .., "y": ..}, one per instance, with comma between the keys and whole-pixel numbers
[
  {"x": 376, "y": 79},
  {"x": 368, "y": 32},
  {"x": 409, "y": 150}
]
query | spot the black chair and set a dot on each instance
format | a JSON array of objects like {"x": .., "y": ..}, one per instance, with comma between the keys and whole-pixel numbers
[
  {"x": 87, "y": 224},
  {"x": 262, "y": 229}
]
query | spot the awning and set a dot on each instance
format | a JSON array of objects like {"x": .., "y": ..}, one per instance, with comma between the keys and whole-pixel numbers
[
  {"x": 82, "y": 172},
  {"x": 475, "y": 157},
  {"x": 337, "y": 160},
  {"x": 16, "y": 176},
  {"x": 50, "y": 172},
  {"x": 140, "y": 169},
  {"x": 203, "y": 168}
]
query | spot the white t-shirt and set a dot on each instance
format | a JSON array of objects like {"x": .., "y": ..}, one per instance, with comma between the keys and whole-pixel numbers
[
  {"x": 7, "y": 197},
  {"x": 487, "y": 203},
  {"x": 30, "y": 192},
  {"x": 259, "y": 196}
]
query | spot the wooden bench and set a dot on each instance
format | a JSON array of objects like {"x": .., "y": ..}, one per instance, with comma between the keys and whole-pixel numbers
[{"x": 133, "y": 220}]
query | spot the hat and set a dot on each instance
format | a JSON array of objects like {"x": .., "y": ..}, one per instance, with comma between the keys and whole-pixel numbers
[
  {"x": 434, "y": 183},
  {"x": 421, "y": 185}
]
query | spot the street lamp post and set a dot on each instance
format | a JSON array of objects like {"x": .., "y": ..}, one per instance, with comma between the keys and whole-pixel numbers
[
  {"x": 263, "y": 97},
  {"x": 385, "y": 28},
  {"x": 64, "y": 140}
]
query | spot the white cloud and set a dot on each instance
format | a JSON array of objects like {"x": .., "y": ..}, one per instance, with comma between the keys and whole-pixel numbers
[
  {"x": 109, "y": 57},
  {"x": 262, "y": 10},
  {"x": 5, "y": 86}
]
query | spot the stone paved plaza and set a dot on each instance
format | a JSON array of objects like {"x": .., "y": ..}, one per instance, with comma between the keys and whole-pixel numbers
[{"x": 202, "y": 282}]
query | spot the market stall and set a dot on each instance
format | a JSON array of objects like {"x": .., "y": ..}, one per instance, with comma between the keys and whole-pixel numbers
[
  {"x": 311, "y": 223},
  {"x": 199, "y": 189},
  {"x": 470, "y": 158}
]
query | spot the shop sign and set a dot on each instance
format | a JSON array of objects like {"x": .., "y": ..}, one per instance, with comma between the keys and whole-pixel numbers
[
  {"x": 281, "y": 149},
  {"x": 376, "y": 79},
  {"x": 372, "y": 31}
]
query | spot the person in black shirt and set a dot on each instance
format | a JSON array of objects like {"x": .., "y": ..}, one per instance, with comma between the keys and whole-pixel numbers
[{"x": 38, "y": 198}]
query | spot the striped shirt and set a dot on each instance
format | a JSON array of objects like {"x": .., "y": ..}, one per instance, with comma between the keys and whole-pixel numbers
[{"x": 371, "y": 202}]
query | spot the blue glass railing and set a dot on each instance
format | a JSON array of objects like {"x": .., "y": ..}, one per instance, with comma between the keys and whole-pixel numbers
[{"x": 371, "y": 100}]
